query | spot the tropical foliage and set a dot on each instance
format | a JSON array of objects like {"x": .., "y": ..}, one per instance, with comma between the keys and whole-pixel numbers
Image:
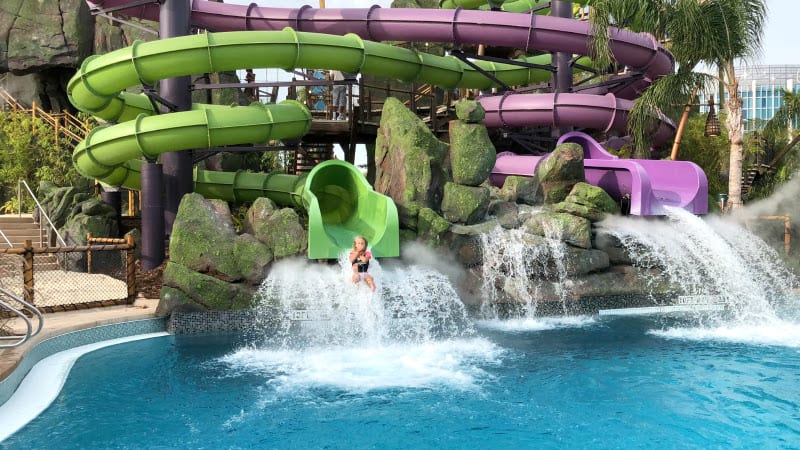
[
  {"x": 713, "y": 33},
  {"x": 29, "y": 151}
]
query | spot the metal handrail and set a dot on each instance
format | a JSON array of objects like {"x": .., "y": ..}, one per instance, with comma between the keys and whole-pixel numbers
[
  {"x": 38, "y": 205},
  {"x": 5, "y": 238},
  {"x": 29, "y": 331}
]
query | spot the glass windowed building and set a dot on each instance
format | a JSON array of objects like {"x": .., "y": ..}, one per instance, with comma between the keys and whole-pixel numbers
[{"x": 760, "y": 88}]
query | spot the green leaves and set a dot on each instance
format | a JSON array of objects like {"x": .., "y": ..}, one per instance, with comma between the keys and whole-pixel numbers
[{"x": 29, "y": 151}]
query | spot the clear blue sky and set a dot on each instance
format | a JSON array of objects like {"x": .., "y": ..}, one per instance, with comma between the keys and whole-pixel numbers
[{"x": 780, "y": 42}]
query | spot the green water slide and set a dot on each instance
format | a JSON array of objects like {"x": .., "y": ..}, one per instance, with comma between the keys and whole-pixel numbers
[
  {"x": 339, "y": 201},
  {"x": 518, "y": 6}
]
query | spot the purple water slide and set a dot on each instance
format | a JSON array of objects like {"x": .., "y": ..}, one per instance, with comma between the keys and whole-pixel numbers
[
  {"x": 599, "y": 112},
  {"x": 524, "y": 31},
  {"x": 651, "y": 185},
  {"x": 458, "y": 26}
]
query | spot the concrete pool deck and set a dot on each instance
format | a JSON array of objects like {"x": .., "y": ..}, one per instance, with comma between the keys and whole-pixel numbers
[{"x": 58, "y": 323}]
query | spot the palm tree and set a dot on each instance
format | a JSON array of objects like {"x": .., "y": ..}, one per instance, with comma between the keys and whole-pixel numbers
[
  {"x": 715, "y": 33},
  {"x": 783, "y": 118}
]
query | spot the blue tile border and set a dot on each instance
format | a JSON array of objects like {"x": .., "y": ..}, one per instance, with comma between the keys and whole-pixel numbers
[{"x": 73, "y": 339}]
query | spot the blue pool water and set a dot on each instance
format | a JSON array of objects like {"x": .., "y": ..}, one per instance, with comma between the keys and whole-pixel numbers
[{"x": 583, "y": 382}]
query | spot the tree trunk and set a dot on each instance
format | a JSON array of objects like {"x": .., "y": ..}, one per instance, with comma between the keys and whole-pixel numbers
[
  {"x": 784, "y": 151},
  {"x": 736, "y": 136}
]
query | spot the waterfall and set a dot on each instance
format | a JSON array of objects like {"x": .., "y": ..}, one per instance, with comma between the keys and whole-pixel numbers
[
  {"x": 519, "y": 269},
  {"x": 714, "y": 258}
]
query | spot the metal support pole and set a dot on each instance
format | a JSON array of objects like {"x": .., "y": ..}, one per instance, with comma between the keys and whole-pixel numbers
[
  {"x": 174, "y": 22},
  {"x": 114, "y": 200},
  {"x": 152, "y": 217},
  {"x": 562, "y": 78}
]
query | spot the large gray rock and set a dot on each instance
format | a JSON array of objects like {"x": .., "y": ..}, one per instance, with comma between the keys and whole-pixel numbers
[
  {"x": 38, "y": 35},
  {"x": 507, "y": 214},
  {"x": 203, "y": 236},
  {"x": 579, "y": 261},
  {"x": 409, "y": 162},
  {"x": 521, "y": 190},
  {"x": 90, "y": 216},
  {"x": 472, "y": 154},
  {"x": 465, "y": 241},
  {"x": 288, "y": 238},
  {"x": 560, "y": 172},
  {"x": 431, "y": 226},
  {"x": 206, "y": 291},
  {"x": 464, "y": 204},
  {"x": 571, "y": 229},
  {"x": 587, "y": 201},
  {"x": 253, "y": 258}
]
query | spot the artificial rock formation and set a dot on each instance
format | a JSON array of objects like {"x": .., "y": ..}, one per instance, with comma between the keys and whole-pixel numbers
[{"x": 409, "y": 162}]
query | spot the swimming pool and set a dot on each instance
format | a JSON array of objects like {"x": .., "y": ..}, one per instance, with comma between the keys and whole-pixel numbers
[{"x": 629, "y": 382}]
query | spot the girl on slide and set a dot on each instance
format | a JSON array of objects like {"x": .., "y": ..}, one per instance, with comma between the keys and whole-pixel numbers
[{"x": 359, "y": 260}]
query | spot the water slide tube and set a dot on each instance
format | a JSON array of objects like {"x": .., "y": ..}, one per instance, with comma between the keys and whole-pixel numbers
[
  {"x": 638, "y": 51},
  {"x": 650, "y": 184},
  {"x": 458, "y": 26},
  {"x": 518, "y": 6},
  {"x": 112, "y": 154}
]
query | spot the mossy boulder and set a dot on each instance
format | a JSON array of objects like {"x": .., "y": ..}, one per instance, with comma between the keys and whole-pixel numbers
[
  {"x": 209, "y": 292},
  {"x": 202, "y": 237},
  {"x": 571, "y": 229},
  {"x": 521, "y": 190},
  {"x": 472, "y": 154},
  {"x": 590, "y": 202},
  {"x": 101, "y": 222},
  {"x": 286, "y": 237},
  {"x": 562, "y": 170},
  {"x": 464, "y": 204},
  {"x": 470, "y": 111},
  {"x": 57, "y": 201},
  {"x": 409, "y": 161},
  {"x": 431, "y": 226},
  {"x": 253, "y": 258}
]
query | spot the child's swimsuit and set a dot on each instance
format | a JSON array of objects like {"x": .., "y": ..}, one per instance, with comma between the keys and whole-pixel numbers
[{"x": 362, "y": 266}]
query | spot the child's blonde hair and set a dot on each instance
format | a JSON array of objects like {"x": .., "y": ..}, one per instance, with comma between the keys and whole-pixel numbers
[{"x": 366, "y": 243}]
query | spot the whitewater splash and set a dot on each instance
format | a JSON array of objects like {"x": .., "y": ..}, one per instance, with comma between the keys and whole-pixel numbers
[
  {"x": 307, "y": 304},
  {"x": 711, "y": 258},
  {"x": 316, "y": 329}
]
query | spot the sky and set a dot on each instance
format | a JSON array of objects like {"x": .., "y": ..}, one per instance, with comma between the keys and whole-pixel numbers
[{"x": 779, "y": 47}]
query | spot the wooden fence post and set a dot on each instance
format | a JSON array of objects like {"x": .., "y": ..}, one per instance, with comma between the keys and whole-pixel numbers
[
  {"x": 89, "y": 253},
  {"x": 27, "y": 271},
  {"x": 130, "y": 266}
]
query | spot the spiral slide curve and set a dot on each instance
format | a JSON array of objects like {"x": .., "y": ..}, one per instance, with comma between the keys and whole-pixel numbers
[{"x": 111, "y": 154}]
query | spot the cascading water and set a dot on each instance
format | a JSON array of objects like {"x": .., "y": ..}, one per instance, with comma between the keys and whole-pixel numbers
[
  {"x": 520, "y": 268},
  {"x": 713, "y": 258}
]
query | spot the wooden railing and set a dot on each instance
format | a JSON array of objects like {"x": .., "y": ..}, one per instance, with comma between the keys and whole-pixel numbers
[{"x": 65, "y": 125}]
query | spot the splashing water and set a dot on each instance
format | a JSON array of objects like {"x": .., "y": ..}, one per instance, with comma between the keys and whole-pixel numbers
[
  {"x": 318, "y": 330},
  {"x": 713, "y": 258},
  {"x": 306, "y": 304},
  {"x": 522, "y": 268}
]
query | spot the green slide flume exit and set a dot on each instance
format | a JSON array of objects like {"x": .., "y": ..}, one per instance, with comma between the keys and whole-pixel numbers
[{"x": 339, "y": 201}]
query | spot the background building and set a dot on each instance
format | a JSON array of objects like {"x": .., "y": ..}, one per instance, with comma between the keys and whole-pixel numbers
[{"x": 760, "y": 88}]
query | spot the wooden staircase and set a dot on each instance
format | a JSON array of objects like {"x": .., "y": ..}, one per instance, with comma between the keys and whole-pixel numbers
[
  {"x": 19, "y": 228},
  {"x": 752, "y": 173}
]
